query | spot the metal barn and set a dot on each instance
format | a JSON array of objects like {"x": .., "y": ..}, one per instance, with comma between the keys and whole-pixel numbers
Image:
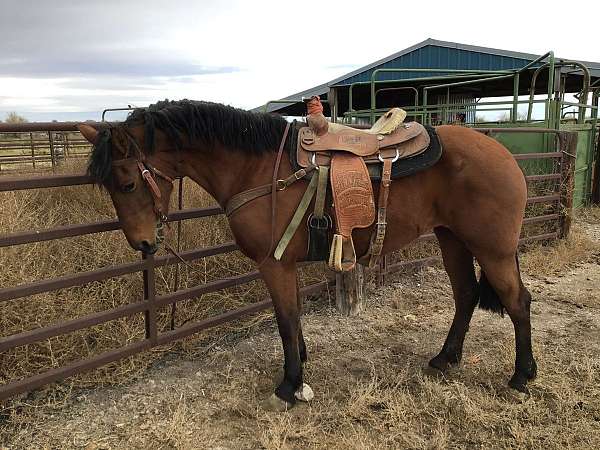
[{"x": 440, "y": 82}]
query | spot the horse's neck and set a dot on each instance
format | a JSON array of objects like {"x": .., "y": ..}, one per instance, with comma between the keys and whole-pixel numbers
[{"x": 223, "y": 172}]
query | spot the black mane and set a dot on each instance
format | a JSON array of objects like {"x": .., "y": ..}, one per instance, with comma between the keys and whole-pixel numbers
[
  {"x": 204, "y": 122},
  {"x": 100, "y": 161},
  {"x": 209, "y": 123}
]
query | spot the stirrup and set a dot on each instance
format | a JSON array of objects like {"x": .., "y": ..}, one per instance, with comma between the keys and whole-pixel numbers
[{"x": 342, "y": 256}]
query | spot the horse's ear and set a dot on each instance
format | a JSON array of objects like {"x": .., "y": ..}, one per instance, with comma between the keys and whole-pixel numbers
[{"x": 88, "y": 132}]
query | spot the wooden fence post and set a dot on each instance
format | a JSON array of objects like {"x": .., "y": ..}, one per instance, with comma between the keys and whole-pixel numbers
[
  {"x": 67, "y": 150},
  {"x": 568, "y": 148},
  {"x": 349, "y": 291},
  {"x": 382, "y": 271}
]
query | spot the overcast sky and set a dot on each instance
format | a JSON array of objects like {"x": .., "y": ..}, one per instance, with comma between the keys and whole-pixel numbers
[{"x": 66, "y": 60}]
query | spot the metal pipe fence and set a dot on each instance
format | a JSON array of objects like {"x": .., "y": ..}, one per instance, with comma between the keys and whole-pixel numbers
[
  {"x": 26, "y": 150},
  {"x": 557, "y": 203}
]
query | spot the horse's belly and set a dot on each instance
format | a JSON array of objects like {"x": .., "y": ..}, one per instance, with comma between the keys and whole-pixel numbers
[{"x": 410, "y": 213}]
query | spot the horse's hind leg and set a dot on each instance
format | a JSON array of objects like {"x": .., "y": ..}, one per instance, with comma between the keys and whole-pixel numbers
[
  {"x": 501, "y": 287},
  {"x": 458, "y": 261}
]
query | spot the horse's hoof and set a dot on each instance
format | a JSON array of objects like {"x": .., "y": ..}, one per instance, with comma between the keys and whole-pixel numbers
[
  {"x": 275, "y": 404},
  {"x": 443, "y": 363},
  {"x": 304, "y": 393},
  {"x": 518, "y": 383}
]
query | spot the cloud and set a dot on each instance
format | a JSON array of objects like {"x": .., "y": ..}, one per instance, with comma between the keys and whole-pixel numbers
[
  {"x": 159, "y": 66},
  {"x": 66, "y": 55},
  {"x": 133, "y": 38}
]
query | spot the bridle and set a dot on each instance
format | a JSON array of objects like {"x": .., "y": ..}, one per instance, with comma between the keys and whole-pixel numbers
[{"x": 148, "y": 172}]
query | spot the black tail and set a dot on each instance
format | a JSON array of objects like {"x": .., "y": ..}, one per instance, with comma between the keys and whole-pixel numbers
[{"x": 488, "y": 299}]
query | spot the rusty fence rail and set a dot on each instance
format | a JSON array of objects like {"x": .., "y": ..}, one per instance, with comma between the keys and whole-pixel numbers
[{"x": 559, "y": 202}]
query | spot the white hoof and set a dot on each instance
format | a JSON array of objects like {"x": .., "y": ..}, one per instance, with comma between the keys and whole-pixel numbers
[
  {"x": 275, "y": 404},
  {"x": 305, "y": 393}
]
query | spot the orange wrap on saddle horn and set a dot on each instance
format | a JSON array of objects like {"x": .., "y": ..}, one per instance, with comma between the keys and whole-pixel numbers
[{"x": 315, "y": 118}]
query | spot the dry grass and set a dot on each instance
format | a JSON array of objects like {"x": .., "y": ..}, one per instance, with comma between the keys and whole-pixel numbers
[
  {"x": 371, "y": 387},
  {"x": 556, "y": 257}
]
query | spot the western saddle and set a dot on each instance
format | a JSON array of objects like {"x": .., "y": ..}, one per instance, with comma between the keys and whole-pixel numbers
[{"x": 343, "y": 153}]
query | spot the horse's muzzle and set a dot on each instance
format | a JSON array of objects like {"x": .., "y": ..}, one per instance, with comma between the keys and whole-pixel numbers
[{"x": 148, "y": 248}]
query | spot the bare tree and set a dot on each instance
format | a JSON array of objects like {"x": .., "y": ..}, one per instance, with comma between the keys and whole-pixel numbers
[
  {"x": 13, "y": 117},
  {"x": 505, "y": 117}
]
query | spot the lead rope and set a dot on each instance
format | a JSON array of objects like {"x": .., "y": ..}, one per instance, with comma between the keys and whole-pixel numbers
[
  {"x": 274, "y": 194},
  {"x": 171, "y": 250}
]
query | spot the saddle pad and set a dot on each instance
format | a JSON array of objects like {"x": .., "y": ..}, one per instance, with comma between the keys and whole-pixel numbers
[
  {"x": 352, "y": 193},
  {"x": 409, "y": 166},
  {"x": 401, "y": 168}
]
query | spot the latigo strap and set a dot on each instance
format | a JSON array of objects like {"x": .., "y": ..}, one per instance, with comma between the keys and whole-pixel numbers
[{"x": 384, "y": 190}]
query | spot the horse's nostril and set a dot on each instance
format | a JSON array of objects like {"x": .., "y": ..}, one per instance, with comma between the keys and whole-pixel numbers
[{"x": 148, "y": 248}]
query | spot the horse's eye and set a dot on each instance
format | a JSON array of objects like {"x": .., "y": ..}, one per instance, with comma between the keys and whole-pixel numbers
[{"x": 129, "y": 187}]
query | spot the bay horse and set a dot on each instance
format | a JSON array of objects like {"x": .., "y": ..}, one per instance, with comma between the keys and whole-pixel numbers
[{"x": 473, "y": 198}]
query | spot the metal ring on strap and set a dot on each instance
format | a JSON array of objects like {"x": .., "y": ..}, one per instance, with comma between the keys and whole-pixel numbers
[{"x": 396, "y": 158}]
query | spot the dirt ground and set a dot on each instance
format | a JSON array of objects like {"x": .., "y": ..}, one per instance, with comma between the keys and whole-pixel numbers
[{"x": 372, "y": 389}]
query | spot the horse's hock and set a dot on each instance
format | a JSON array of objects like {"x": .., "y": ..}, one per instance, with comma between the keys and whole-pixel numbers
[{"x": 548, "y": 218}]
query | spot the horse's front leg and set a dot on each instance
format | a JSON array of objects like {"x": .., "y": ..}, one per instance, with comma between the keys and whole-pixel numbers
[{"x": 281, "y": 283}]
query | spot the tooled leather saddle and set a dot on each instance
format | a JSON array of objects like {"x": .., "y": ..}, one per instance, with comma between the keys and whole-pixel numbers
[{"x": 352, "y": 159}]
